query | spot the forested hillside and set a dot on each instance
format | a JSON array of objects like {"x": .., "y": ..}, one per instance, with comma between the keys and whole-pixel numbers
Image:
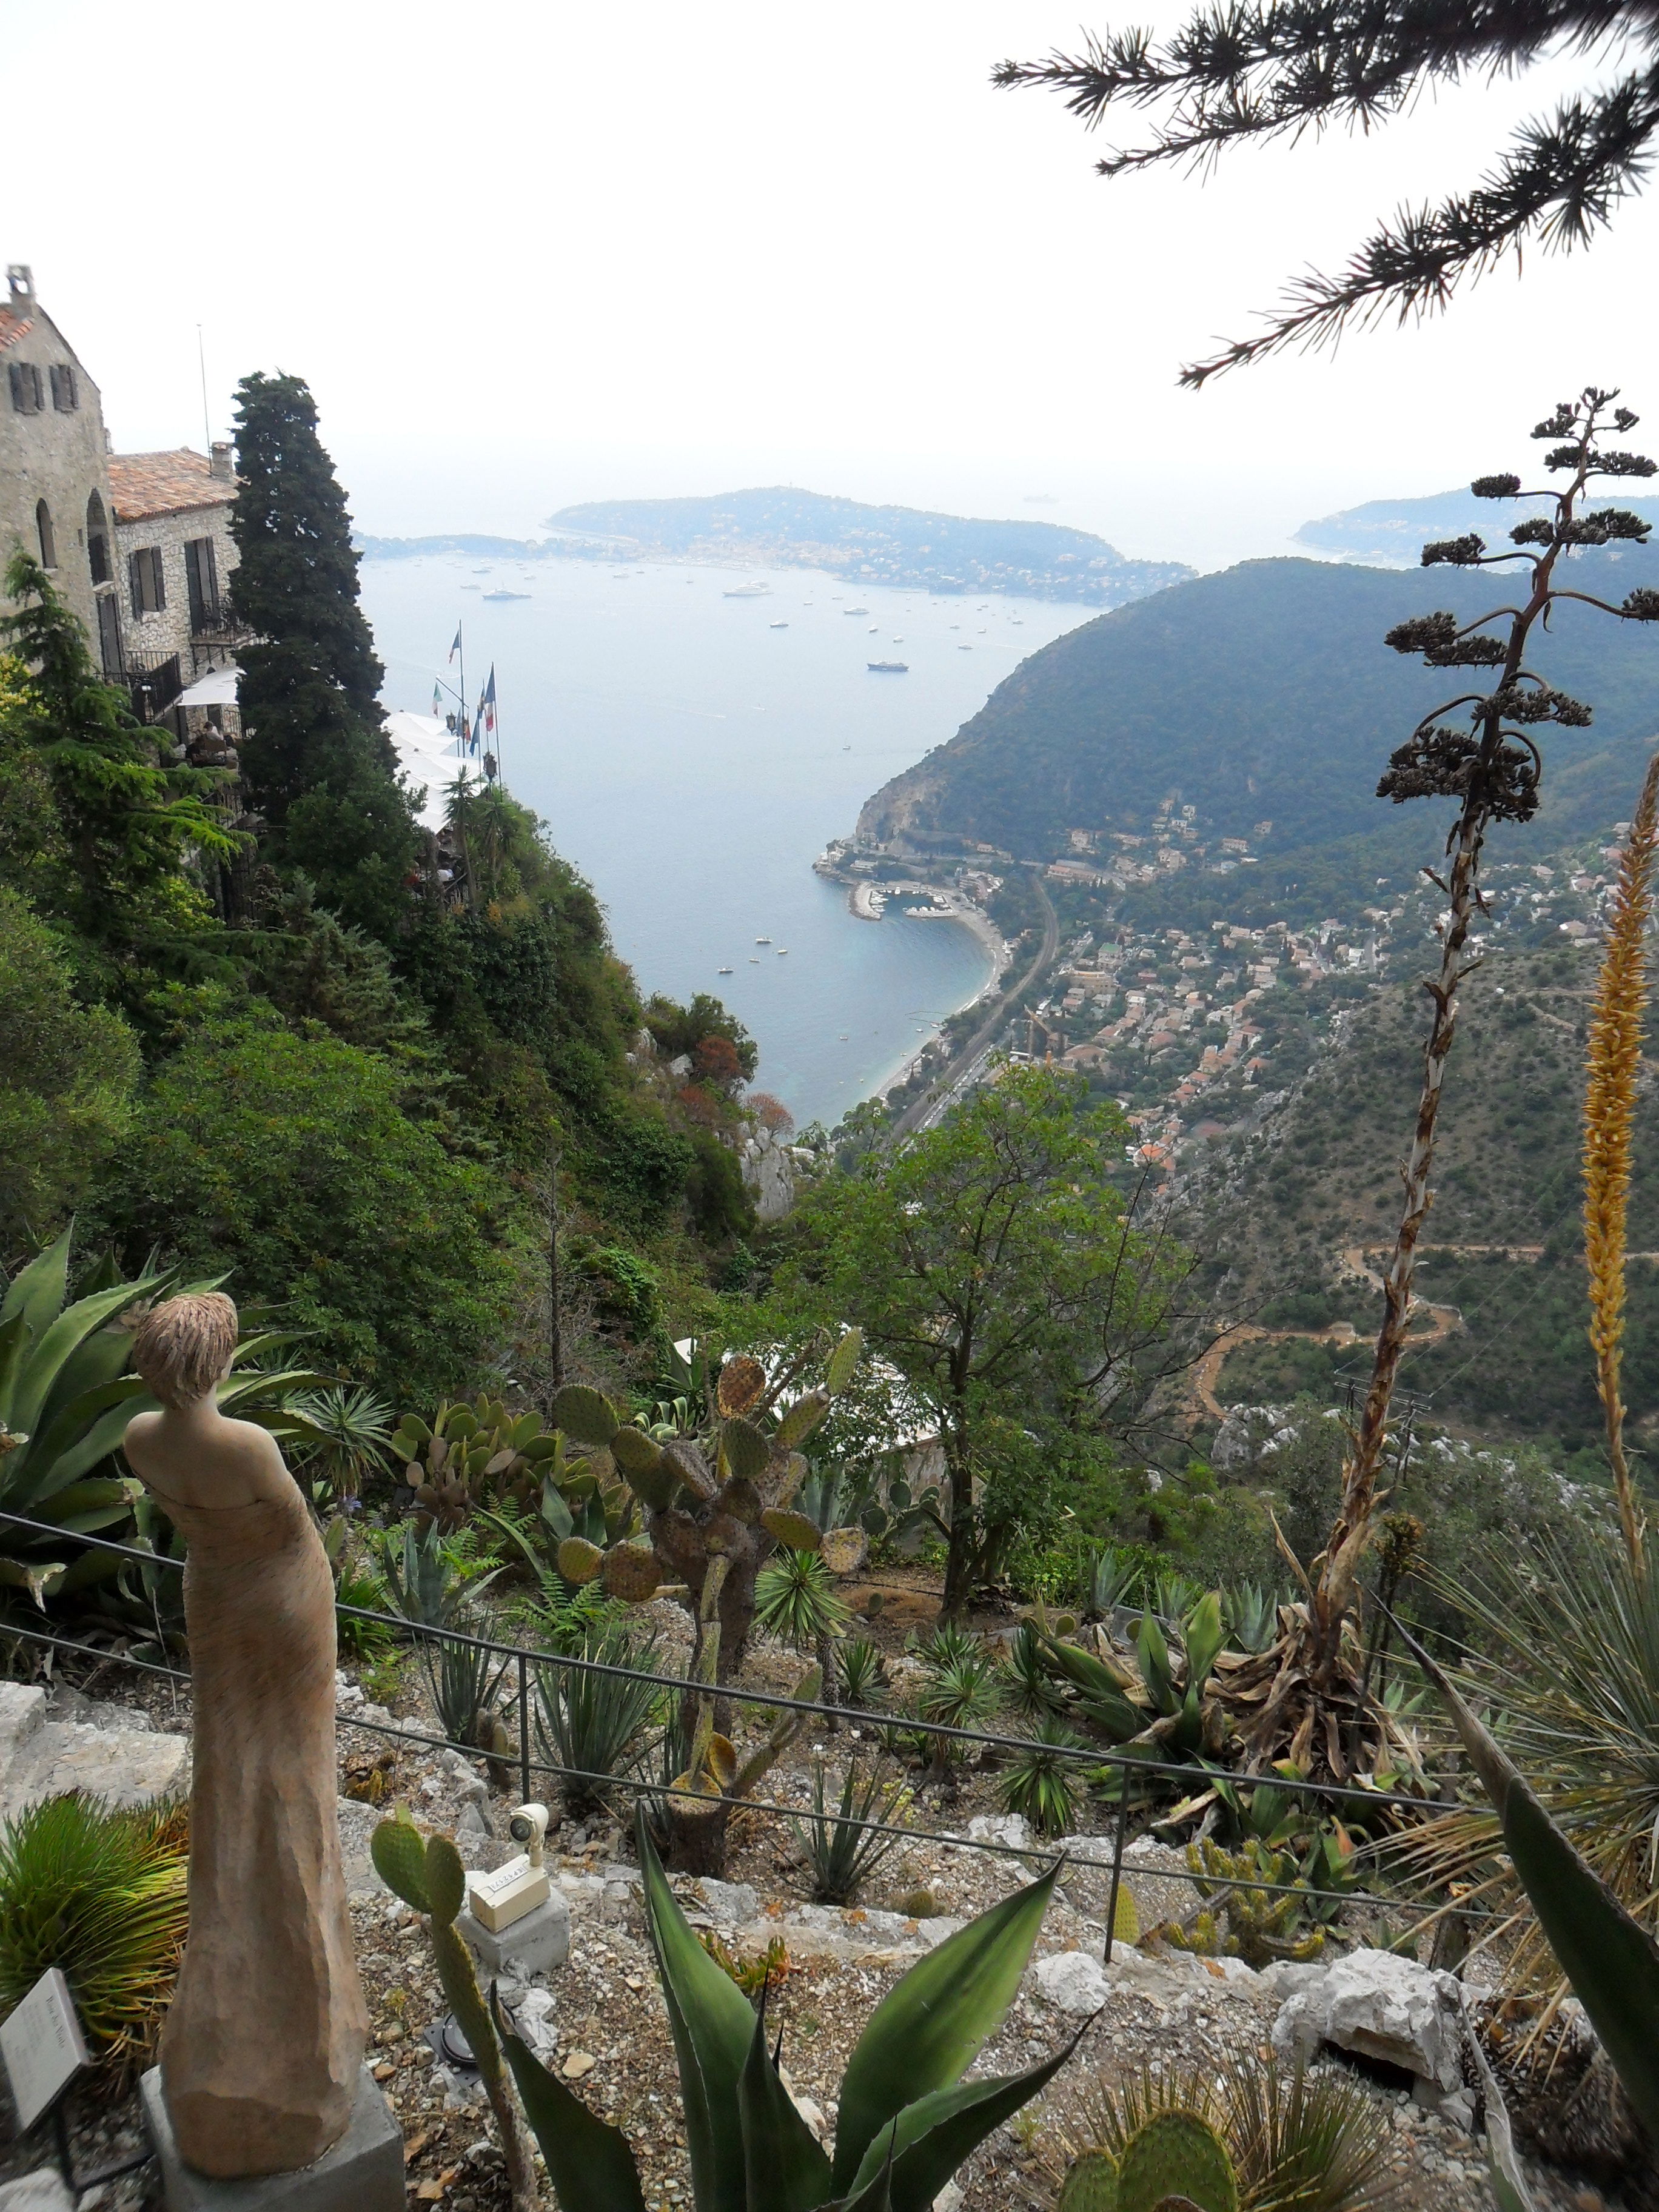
[{"x": 1265, "y": 695}]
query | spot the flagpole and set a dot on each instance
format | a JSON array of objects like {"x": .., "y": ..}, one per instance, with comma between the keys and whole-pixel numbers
[{"x": 460, "y": 633}]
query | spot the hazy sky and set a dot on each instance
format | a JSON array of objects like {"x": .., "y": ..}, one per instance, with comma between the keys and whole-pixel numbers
[{"x": 532, "y": 253}]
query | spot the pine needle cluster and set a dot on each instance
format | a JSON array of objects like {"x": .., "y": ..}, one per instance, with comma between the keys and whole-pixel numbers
[{"x": 1614, "y": 1064}]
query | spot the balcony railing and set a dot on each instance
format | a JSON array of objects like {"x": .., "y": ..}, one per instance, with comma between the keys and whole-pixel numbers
[
  {"x": 155, "y": 684},
  {"x": 216, "y": 621}
]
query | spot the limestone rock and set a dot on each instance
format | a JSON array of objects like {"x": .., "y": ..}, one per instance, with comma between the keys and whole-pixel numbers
[
  {"x": 1383, "y": 2007},
  {"x": 109, "y": 1754},
  {"x": 1073, "y": 1981},
  {"x": 43, "y": 2191},
  {"x": 1011, "y": 1828}
]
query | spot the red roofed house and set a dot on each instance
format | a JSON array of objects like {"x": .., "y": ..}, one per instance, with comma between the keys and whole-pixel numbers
[
  {"x": 54, "y": 467},
  {"x": 176, "y": 553}
]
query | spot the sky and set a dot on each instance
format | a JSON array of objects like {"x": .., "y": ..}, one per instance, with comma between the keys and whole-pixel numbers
[{"x": 530, "y": 254}]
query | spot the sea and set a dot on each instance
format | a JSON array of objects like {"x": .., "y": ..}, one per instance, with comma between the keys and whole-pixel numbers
[{"x": 692, "y": 753}]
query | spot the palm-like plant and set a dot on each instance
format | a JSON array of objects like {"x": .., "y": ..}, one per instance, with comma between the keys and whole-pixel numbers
[
  {"x": 961, "y": 1690},
  {"x": 1030, "y": 1687},
  {"x": 353, "y": 1429},
  {"x": 1044, "y": 1782},
  {"x": 796, "y": 1599},
  {"x": 863, "y": 1673},
  {"x": 99, "y": 1892},
  {"x": 841, "y": 1849}
]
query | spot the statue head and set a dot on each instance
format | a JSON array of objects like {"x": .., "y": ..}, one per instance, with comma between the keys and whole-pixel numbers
[{"x": 184, "y": 1346}]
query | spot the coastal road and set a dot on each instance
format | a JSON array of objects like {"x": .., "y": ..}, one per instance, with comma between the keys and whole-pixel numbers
[{"x": 922, "y": 1112}]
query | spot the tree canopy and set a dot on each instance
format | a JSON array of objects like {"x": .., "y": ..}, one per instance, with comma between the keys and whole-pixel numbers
[{"x": 1272, "y": 69}]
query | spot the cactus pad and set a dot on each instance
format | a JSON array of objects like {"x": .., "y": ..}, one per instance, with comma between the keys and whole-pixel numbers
[
  {"x": 1176, "y": 2155},
  {"x": 747, "y": 1451},
  {"x": 631, "y": 1573},
  {"x": 741, "y": 1500},
  {"x": 792, "y": 1529},
  {"x": 844, "y": 1550},
  {"x": 842, "y": 1362},
  {"x": 741, "y": 1386},
  {"x": 1091, "y": 2184},
  {"x": 803, "y": 1417},
  {"x": 446, "y": 1880},
  {"x": 587, "y": 1415},
  {"x": 635, "y": 1452},
  {"x": 579, "y": 1561},
  {"x": 399, "y": 1857}
]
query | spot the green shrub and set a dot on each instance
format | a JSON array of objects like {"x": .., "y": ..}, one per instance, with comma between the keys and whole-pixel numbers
[{"x": 101, "y": 1894}]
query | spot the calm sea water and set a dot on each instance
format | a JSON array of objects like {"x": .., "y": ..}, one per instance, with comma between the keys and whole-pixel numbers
[{"x": 693, "y": 760}]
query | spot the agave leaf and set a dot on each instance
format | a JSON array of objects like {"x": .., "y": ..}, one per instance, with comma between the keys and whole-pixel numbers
[
  {"x": 712, "y": 2025},
  {"x": 399, "y": 1859},
  {"x": 588, "y": 2161},
  {"x": 927, "y": 2028},
  {"x": 81, "y": 1435},
  {"x": 41, "y": 1368},
  {"x": 936, "y": 2133},
  {"x": 1205, "y": 1633},
  {"x": 1153, "y": 1657},
  {"x": 38, "y": 1292},
  {"x": 14, "y": 1341},
  {"x": 1609, "y": 1958},
  {"x": 1103, "y": 1695},
  {"x": 41, "y": 1578},
  {"x": 783, "y": 2164}
]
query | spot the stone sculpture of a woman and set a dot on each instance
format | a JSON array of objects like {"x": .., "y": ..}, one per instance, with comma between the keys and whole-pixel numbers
[{"x": 262, "y": 2050}]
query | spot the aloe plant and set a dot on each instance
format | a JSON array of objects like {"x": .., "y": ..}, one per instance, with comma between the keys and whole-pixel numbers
[
  {"x": 66, "y": 1398},
  {"x": 906, "y": 2119}
]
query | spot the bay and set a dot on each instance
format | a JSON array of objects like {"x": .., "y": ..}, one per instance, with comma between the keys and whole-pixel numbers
[{"x": 692, "y": 759}]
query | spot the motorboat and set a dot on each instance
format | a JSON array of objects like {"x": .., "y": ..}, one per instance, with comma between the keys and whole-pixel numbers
[
  {"x": 722, "y": 971},
  {"x": 888, "y": 668}
]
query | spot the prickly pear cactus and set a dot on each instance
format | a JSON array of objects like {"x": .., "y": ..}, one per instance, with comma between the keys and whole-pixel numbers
[
  {"x": 1176, "y": 2154},
  {"x": 1091, "y": 2184}
]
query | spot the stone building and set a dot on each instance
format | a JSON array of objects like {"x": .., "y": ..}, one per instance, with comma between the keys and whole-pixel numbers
[
  {"x": 175, "y": 558},
  {"x": 54, "y": 466}
]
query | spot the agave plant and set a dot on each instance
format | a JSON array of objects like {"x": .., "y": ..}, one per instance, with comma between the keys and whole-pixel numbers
[
  {"x": 595, "y": 1727},
  {"x": 462, "y": 1673},
  {"x": 961, "y": 1688},
  {"x": 906, "y": 2118},
  {"x": 1044, "y": 1783},
  {"x": 66, "y": 1397},
  {"x": 1167, "y": 1707},
  {"x": 841, "y": 1848},
  {"x": 1251, "y": 1615},
  {"x": 1106, "y": 1578}
]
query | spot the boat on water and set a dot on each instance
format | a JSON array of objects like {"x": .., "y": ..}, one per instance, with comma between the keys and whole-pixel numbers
[
  {"x": 783, "y": 625},
  {"x": 763, "y": 940},
  {"x": 722, "y": 971},
  {"x": 887, "y": 668},
  {"x": 506, "y": 595},
  {"x": 855, "y": 610},
  {"x": 783, "y": 952},
  {"x": 749, "y": 591}
]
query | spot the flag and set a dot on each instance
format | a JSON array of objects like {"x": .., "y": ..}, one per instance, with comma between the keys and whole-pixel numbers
[
  {"x": 486, "y": 718},
  {"x": 437, "y": 702},
  {"x": 456, "y": 648}
]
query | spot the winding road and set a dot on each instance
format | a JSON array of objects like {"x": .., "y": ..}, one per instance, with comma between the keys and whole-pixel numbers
[{"x": 922, "y": 1112}]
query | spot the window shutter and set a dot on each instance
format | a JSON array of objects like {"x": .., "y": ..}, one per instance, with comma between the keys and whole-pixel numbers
[
  {"x": 210, "y": 571},
  {"x": 17, "y": 387},
  {"x": 159, "y": 579},
  {"x": 135, "y": 581}
]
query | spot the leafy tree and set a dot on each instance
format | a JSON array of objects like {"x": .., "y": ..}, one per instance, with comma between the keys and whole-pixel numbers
[
  {"x": 678, "y": 1029},
  {"x": 995, "y": 1264},
  {"x": 286, "y": 1159},
  {"x": 315, "y": 756},
  {"x": 105, "y": 834},
  {"x": 67, "y": 1073},
  {"x": 1274, "y": 68}
]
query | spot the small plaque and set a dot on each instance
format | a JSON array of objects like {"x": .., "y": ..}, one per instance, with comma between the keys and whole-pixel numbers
[
  {"x": 43, "y": 2047},
  {"x": 498, "y": 1899}
]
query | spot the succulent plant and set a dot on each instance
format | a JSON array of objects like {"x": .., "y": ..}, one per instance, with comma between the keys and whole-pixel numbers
[
  {"x": 1261, "y": 1924},
  {"x": 1174, "y": 2160}
]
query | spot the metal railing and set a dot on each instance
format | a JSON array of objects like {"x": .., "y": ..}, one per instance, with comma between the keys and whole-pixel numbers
[
  {"x": 523, "y": 1660},
  {"x": 154, "y": 682}
]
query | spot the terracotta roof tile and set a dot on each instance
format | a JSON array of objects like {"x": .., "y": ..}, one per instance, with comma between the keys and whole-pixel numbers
[
  {"x": 13, "y": 327},
  {"x": 144, "y": 484}
]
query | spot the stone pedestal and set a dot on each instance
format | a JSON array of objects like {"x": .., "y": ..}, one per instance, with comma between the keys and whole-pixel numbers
[
  {"x": 535, "y": 1945},
  {"x": 363, "y": 2172}
]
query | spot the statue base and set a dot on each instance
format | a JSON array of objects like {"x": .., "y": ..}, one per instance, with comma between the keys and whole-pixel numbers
[
  {"x": 534, "y": 1944},
  {"x": 363, "y": 2172}
]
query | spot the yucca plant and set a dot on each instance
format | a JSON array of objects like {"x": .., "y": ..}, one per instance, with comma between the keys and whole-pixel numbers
[
  {"x": 906, "y": 2118},
  {"x": 863, "y": 1673},
  {"x": 353, "y": 1429},
  {"x": 840, "y": 1849},
  {"x": 100, "y": 1892},
  {"x": 66, "y": 1397},
  {"x": 1045, "y": 1782},
  {"x": 961, "y": 1690},
  {"x": 1028, "y": 1685},
  {"x": 796, "y": 1599},
  {"x": 597, "y": 1726}
]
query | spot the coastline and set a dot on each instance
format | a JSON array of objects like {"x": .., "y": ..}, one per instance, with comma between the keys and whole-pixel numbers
[{"x": 979, "y": 925}]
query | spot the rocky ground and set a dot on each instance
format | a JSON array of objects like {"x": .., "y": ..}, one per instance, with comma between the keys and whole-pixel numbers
[{"x": 599, "y": 2019}]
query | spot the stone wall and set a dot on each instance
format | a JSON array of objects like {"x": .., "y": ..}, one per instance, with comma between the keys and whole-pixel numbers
[
  {"x": 58, "y": 454},
  {"x": 157, "y": 635}
]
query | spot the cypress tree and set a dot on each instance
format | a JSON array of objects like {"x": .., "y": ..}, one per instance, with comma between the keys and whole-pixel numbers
[{"x": 319, "y": 765}]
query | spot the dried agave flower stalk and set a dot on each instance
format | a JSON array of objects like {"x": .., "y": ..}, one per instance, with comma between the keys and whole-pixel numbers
[{"x": 1613, "y": 1064}]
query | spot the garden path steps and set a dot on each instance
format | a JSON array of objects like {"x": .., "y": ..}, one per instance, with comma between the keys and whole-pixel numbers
[{"x": 43, "y": 1758}]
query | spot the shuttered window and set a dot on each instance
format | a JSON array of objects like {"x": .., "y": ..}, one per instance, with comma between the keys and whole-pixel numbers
[
  {"x": 26, "y": 388},
  {"x": 149, "y": 595},
  {"x": 201, "y": 579},
  {"x": 65, "y": 396}
]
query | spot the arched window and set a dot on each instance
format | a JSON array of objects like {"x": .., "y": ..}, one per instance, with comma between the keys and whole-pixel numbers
[
  {"x": 97, "y": 541},
  {"x": 48, "y": 542}
]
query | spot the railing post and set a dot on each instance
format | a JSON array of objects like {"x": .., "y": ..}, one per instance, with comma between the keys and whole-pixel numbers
[
  {"x": 1117, "y": 1854},
  {"x": 524, "y": 1729}
]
